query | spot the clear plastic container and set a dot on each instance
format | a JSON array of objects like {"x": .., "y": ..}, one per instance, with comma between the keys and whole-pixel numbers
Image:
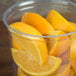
[{"x": 23, "y": 45}]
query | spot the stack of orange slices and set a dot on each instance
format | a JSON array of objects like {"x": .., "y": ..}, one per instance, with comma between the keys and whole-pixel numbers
[{"x": 34, "y": 55}]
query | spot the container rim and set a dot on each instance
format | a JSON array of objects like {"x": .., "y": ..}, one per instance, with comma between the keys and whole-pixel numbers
[{"x": 4, "y": 18}]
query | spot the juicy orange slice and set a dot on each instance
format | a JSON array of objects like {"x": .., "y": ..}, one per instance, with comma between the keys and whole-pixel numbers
[
  {"x": 59, "y": 22},
  {"x": 34, "y": 45},
  {"x": 58, "y": 45},
  {"x": 30, "y": 66},
  {"x": 64, "y": 70},
  {"x": 38, "y": 22},
  {"x": 25, "y": 28}
]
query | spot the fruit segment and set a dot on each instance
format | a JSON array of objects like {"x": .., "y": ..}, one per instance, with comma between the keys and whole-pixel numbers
[
  {"x": 59, "y": 22},
  {"x": 64, "y": 70},
  {"x": 25, "y": 28},
  {"x": 38, "y": 22},
  {"x": 30, "y": 66},
  {"x": 36, "y": 47},
  {"x": 58, "y": 45}
]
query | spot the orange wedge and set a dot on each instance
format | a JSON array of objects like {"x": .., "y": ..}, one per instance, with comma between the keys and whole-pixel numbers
[
  {"x": 30, "y": 66},
  {"x": 58, "y": 45},
  {"x": 64, "y": 70},
  {"x": 59, "y": 22},
  {"x": 34, "y": 45},
  {"x": 38, "y": 22}
]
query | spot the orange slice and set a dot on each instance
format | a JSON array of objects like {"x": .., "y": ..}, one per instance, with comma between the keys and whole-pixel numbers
[
  {"x": 58, "y": 45},
  {"x": 30, "y": 66},
  {"x": 59, "y": 22},
  {"x": 38, "y": 22},
  {"x": 34, "y": 45},
  {"x": 64, "y": 70}
]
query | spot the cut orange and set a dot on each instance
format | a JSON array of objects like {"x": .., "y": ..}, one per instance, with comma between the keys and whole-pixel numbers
[
  {"x": 58, "y": 45},
  {"x": 59, "y": 22},
  {"x": 25, "y": 28},
  {"x": 34, "y": 45},
  {"x": 30, "y": 66},
  {"x": 38, "y": 22},
  {"x": 64, "y": 70}
]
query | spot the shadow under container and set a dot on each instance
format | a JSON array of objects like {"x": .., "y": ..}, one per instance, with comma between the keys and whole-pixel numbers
[{"x": 24, "y": 46}]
